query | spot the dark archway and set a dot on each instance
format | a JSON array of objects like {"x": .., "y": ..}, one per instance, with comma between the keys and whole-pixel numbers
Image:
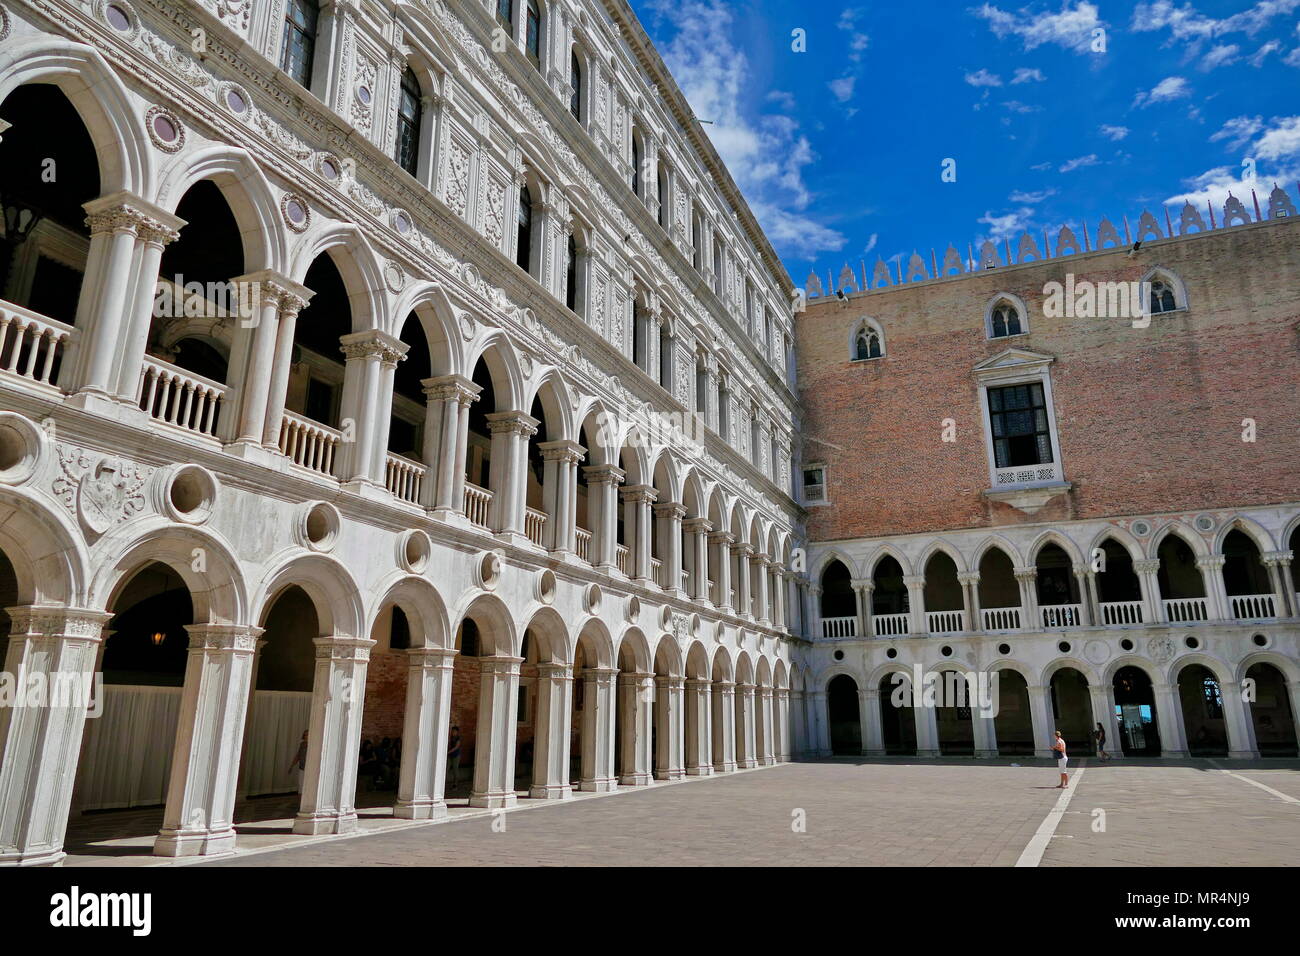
[
  {"x": 845, "y": 716},
  {"x": 897, "y": 715},
  {"x": 1202, "y": 704},
  {"x": 1072, "y": 711},
  {"x": 1270, "y": 712},
  {"x": 1013, "y": 724},
  {"x": 1135, "y": 708}
]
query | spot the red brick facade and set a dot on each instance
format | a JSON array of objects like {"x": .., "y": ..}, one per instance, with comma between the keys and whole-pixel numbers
[{"x": 1149, "y": 420}]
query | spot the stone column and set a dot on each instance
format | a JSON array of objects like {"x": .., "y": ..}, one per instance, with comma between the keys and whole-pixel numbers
[
  {"x": 783, "y": 724},
  {"x": 765, "y": 725},
  {"x": 241, "y": 787},
  {"x": 970, "y": 594},
  {"x": 863, "y": 589},
  {"x": 1026, "y": 578},
  {"x": 40, "y": 740},
  {"x": 252, "y": 358},
  {"x": 670, "y": 514},
  {"x": 290, "y": 304},
  {"x": 982, "y": 725},
  {"x": 329, "y": 784},
  {"x": 637, "y": 500},
  {"x": 1211, "y": 568},
  {"x": 509, "y": 472},
  {"x": 798, "y": 724},
  {"x": 745, "y": 733},
  {"x": 1040, "y": 715},
  {"x": 1241, "y": 739},
  {"x": 873, "y": 736},
  {"x": 560, "y": 493},
  {"x": 916, "y": 603},
  {"x": 927, "y": 730},
  {"x": 1089, "y": 613},
  {"x": 814, "y": 624},
  {"x": 371, "y": 359},
  {"x": 764, "y": 611},
  {"x": 444, "y": 442},
  {"x": 724, "y": 726},
  {"x": 744, "y": 600},
  {"x": 602, "y": 486},
  {"x": 1169, "y": 715},
  {"x": 1103, "y": 712},
  {"x": 722, "y": 543},
  {"x": 551, "y": 736},
  {"x": 636, "y": 696},
  {"x": 198, "y": 819},
  {"x": 494, "y": 738},
  {"x": 671, "y": 737},
  {"x": 699, "y": 728},
  {"x": 818, "y": 725},
  {"x": 779, "y": 592},
  {"x": 1147, "y": 571},
  {"x": 423, "y": 777},
  {"x": 155, "y": 231},
  {"x": 698, "y": 529},
  {"x": 1278, "y": 564},
  {"x": 598, "y": 729}
]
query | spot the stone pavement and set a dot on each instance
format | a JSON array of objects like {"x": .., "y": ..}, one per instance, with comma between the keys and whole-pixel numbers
[{"x": 888, "y": 812}]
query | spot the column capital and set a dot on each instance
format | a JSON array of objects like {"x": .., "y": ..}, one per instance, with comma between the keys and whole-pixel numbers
[
  {"x": 274, "y": 288},
  {"x": 123, "y": 211},
  {"x": 968, "y": 577},
  {"x": 500, "y": 664},
  {"x": 696, "y": 683},
  {"x": 512, "y": 423},
  {"x": 1147, "y": 566},
  {"x": 762, "y": 559},
  {"x": 1082, "y": 570},
  {"x": 603, "y": 474},
  {"x": 639, "y": 493},
  {"x": 35, "y": 620},
  {"x": 373, "y": 342},
  {"x": 563, "y": 449},
  {"x": 914, "y": 580},
  {"x": 239, "y": 638},
  {"x": 862, "y": 584},
  {"x": 451, "y": 388},
  {"x": 670, "y": 682},
  {"x": 697, "y": 525},
  {"x": 1281, "y": 558},
  {"x": 725, "y": 686},
  {"x": 670, "y": 509},
  {"x": 342, "y": 648},
  {"x": 1210, "y": 562},
  {"x": 1027, "y": 573},
  {"x": 560, "y": 671},
  {"x": 743, "y": 548},
  {"x": 601, "y": 674},
  {"x": 432, "y": 656},
  {"x": 724, "y": 538}
]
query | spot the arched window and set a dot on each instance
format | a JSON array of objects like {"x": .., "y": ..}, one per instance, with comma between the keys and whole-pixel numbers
[
  {"x": 666, "y": 356},
  {"x": 1162, "y": 297},
  {"x": 1005, "y": 318},
  {"x": 701, "y": 384},
  {"x": 697, "y": 251},
  {"x": 506, "y": 15},
  {"x": 299, "y": 42},
  {"x": 575, "y": 86},
  {"x": 662, "y": 186},
  {"x": 636, "y": 162},
  {"x": 866, "y": 344},
  {"x": 571, "y": 275},
  {"x": 408, "y": 123},
  {"x": 524, "y": 242},
  {"x": 1164, "y": 292},
  {"x": 724, "y": 406},
  {"x": 640, "y": 337},
  {"x": 533, "y": 34}
]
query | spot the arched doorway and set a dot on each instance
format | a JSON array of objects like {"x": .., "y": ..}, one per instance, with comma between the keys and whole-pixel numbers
[
  {"x": 1014, "y": 724},
  {"x": 890, "y": 603},
  {"x": 1072, "y": 711},
  {"x": 1245, "y": 579},
  {"x": 839, "y": 607},
  {"x": 897, "y": 715},
  {"x": 1135, "y": 709},
  {"x": 844, "y": 716},
  {"x": 1202, "y": 704},
  {"x": 1057, "y": 588},
  {"x": 944, "y": 606},
  {"x": 1119, "y": 591},
  {"x": 998, "y": 592},
  {"x": 1182, "y": 588},
  {"x": 953, "y": 716},
  {"x": 1270, "y": 711}
]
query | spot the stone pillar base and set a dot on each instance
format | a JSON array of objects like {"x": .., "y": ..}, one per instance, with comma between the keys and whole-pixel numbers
[
  {"x": 728, "y": 767},
  {"x": 516, "y": 538},
  {"x": 986, "y": 754},
  {"x": 607, "y": 785},
  {"x": 746, "y": 764},
  {"x": 1243, "y": 755},
  {"x": 875, "y": 753},
  {"x": 194, "y": 842},
  {"x": 317, "y": 824},
  {"x": 1174, "y": 755},
  {"x": 699, "y": 771},
  {"x": 550, "y": 792},
  {"x": 769, "y": 761},
  {"x": 365, "y": 488},
  {"x": 493, "y": 801},
  {"x": 43, "y": 858},
  {"x": 928, "y": 753},
  {"x": 635, "y": 780},
  {"x": 420, "y": 811},
  {"x": 671, "y": 774}
]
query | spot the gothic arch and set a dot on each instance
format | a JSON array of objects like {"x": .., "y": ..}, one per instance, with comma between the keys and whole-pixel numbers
[
  {"x": 1003, "y": 545},
  {"x": 1174, "y": 280},
  {"x": 940, "y": 545},
  {"x": 1121, "y": 537},
  {"x": 1189, "y": 536},
  {"x": 872, "y": 328},
  {"x": 1005, "y": 298},
  {"x": 1052, "y": 536},
  {"x": 883, "y": 551},
  {"x": 1250, "y": 528}
]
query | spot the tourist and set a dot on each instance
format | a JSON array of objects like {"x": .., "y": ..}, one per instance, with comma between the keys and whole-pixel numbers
[
  {"x": 453, "y": 756},
  {"x": 1061, "y": 760},
  {"x": 1100, "y": 734},
  {"x": 300, "y": 759}
]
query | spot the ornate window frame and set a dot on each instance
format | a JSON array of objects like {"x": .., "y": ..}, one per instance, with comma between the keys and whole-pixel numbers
[
  {"x": 1016, "y": 303},
  {"x": 869, "y": 325},
  {"x": 1173, "y": 280}
]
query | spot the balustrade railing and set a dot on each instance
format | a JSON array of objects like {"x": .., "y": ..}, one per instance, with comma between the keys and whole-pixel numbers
[
  {"x": 1185, "y": 610},
  {"x": 535, "y": 525},
  {"x": 943, "y": 622},
  {"x": 1121, "y": 612},
  {"x": 656, "y": 571},
  {"x": 309, "y": 444},
  {"x": 890, "y": 625},
  {"x": 404, "y": 478},
  {"x": 1252, "y": 607},
  {"x": 582, "y": 543},
  {"x": 477, "y": 502},
  {"x": 839, "y": 626},
  {"x": 621, "y": 556},
  {"x": 1001, "y": 618},
  {"x": 31, "y": 344},
  {"x": 171, "y": 394},
  {"x": 1061, "y": 615}
]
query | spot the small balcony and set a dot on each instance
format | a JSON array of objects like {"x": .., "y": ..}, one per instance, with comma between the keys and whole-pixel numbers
[
  {"x": 477, "y": 503},
  {"x": 891, "y": 625},
  {"x": 1062, "y": 615},
  {"x": 944, "y": 622},
  {"x": 1121, "y": 612},
  {"x": 405, "y": 478},
  {"x": 839, "y": 627},
  {"x": 1186, "y": 610}
]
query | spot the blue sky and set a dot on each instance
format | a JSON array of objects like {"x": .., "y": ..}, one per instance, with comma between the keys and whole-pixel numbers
[{"x": 839, "y": 149}]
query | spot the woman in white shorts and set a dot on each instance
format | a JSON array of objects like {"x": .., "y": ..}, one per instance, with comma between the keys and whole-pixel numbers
[{"x": 1061, "y": 760}]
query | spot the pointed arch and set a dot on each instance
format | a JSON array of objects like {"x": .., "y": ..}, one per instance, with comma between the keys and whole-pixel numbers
[
  {"x": 1250, "y": 528},
  {"x": 1122, "y": 537},
  {"x": 886, "y": 551},
  {"x": 934, "y": 547},
  {"x": 1003, "y": 545},
  {"x": 1164, "y": 289},
  {"x": 1180, "y": 530},
  {"x": 1052, "y": 536},
  {"x": 1005, "y": 315},
  {"x": 866, "y": 340}
]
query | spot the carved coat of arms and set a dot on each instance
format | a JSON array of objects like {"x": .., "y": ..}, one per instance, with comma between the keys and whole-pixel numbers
[{"x": 102, "y": 492}]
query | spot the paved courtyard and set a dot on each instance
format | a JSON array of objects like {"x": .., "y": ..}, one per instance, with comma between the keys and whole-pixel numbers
[{"x": 895, "y": 812}]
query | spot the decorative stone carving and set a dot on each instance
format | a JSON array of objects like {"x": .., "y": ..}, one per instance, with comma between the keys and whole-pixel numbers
[{"x": 101, "y": 491}]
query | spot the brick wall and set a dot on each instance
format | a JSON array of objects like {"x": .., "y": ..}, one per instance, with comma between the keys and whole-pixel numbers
[{"x": 1149, "y": 420}]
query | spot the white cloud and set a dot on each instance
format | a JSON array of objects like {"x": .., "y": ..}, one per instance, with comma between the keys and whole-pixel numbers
[
  {"x": 1257, "y": 58},
  {"x": 1008, "y": 224},
  {"x": 871, "y": 244},
  {"x": 1079, "y": 162},
  {"x": 1114, "y": 133},
  {"x": 1025, "y": 74},
  {"x": 1221, "y": 55},
  {"x": 1071, "y": 28},
  {"x": 1015, "y": 106},
  {"x": 1170, "y": 88},
  {"x": 783, "y": 98},
  {"x": 1031, "y": 198},
  {"x": 858, "y": 40},
  {"x": 767, "y": 154},
  {"x": 842, "y": 88},
  {"x": 1238, "y": 129},
  {"x": 983, "y": 78},
  {"x": 1041, "y": 167},
  {"x": 1282, "y": 141},
  {"x": 1186, "y": 25},
  {"x": 1213, "y": 186}
]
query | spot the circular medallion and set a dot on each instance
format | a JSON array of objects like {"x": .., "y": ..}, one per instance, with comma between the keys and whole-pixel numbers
[
  {"x": 296, "y": 212},
  {"x": 165, "y": 130}
]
